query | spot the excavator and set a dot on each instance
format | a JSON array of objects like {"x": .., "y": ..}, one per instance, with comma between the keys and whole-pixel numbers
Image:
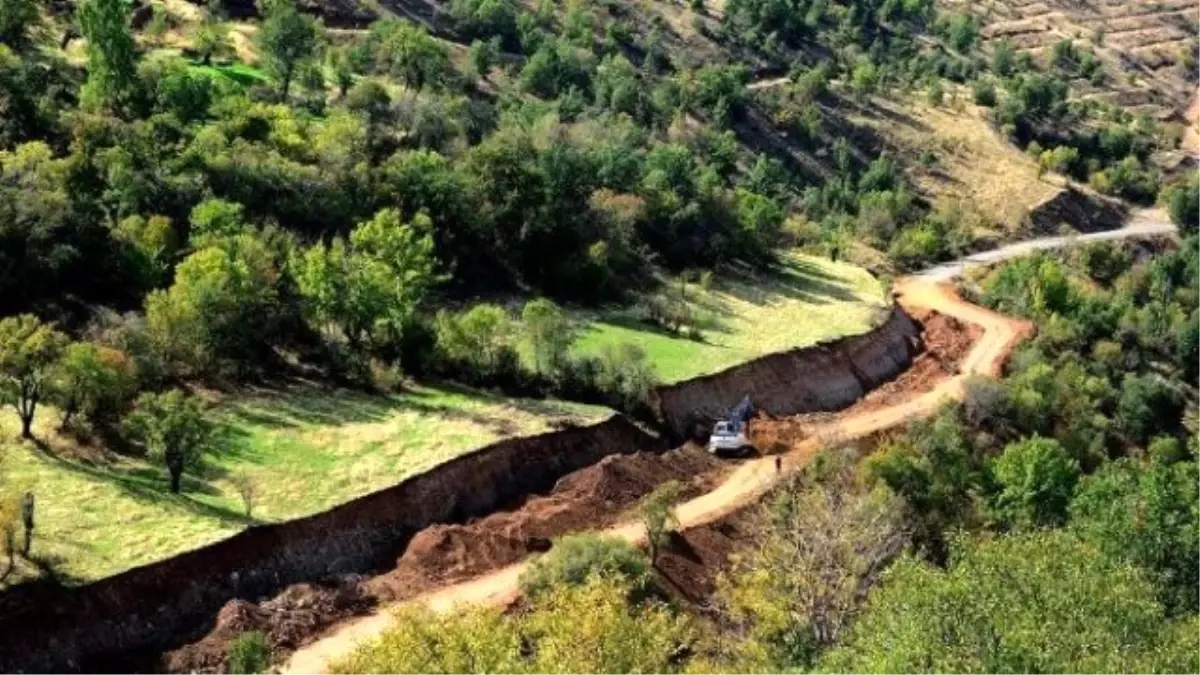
[{"x": 731, "y": 436}]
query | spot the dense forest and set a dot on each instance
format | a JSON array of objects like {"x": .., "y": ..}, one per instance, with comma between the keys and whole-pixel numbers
[{"x": 185, "y": 215}]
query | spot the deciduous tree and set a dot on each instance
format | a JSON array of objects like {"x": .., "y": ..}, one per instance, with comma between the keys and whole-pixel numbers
[
  {"x": 287, "y": 40},
  {"x": 174, "y": 430},
  {"x": 28, "y": 351},
  {"x": 112, "y": 54}
]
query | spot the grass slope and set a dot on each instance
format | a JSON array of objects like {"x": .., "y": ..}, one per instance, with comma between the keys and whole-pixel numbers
[
  {"x": 307, "y": 449},
  {"x": 744, "y": 316}
]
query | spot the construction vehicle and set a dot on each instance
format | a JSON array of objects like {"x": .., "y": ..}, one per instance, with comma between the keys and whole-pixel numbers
[{"x": 731, "y": 436}]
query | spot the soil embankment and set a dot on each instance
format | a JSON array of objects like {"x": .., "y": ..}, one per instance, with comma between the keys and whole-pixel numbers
[{"x": 823, "y": 377}]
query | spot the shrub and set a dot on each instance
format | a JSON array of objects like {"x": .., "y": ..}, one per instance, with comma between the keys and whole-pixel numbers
[
  {"x": 984, "y": 93},
  {"x": 249, "y": 653},
  {"x": 577, "y": 557}
]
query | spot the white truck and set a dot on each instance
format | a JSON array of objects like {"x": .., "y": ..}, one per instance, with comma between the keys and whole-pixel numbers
[{"x": 730, "y": 436}]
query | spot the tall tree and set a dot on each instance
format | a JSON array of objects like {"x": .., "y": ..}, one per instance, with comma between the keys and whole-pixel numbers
[
  {"x": 287, "y": 40},
  {"x": 28, "y": 350},
  {"x": 112, "y": 54},
  {"x": 1034, "y": 603},
  {"x": 370, "y": 287},
  {"x": 212, "y": 36},
  {"x": 174, "y": 429}
]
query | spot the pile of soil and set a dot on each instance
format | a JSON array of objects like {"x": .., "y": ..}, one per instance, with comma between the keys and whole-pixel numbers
[
  {"x": 287, "y": 620},
  {"x": 590, "y": 498},
  {"x": 690, "y": 565},
  {"x": 947, "y": 342}
]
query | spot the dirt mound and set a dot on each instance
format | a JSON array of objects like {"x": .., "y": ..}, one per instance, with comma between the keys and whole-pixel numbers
[
  {"x": 586, "y": 499},
  {"x": 694, "y": 559},
  {"x": 947, "y": 342},
  {"x": 286, "y": 619}
]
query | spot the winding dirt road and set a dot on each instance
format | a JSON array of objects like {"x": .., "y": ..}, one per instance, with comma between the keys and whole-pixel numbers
[{"x": 928, "y": 290}]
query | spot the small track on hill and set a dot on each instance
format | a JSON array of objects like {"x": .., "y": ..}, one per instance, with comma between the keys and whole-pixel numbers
[{"x": 929, "y": 291}]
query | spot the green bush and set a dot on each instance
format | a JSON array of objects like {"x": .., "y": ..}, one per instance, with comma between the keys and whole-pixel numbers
[
  {"x": 577, "y": 557},
  {"x": 249, "y": 652}
]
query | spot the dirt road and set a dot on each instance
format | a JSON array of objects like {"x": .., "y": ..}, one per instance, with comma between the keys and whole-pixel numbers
[{"x": 929, "y": 290}]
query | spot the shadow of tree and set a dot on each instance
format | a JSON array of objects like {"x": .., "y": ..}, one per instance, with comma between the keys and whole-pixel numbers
[{"x": 150, "y": 485}]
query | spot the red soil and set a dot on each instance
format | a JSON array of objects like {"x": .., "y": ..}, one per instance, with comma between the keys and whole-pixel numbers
[{"x": 947, "y": 342}]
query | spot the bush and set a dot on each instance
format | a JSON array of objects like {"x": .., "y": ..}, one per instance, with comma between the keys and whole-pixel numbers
[
  {"x": 577, "y": 557},
  {"x": 249, "y": 653},
  {"x": 1037, "y": 478},
  {"x": 1148, "y": 404},
  {"x": 984, "y": 93}
]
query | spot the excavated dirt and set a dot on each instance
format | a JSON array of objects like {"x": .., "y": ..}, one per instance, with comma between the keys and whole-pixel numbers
[
  {"x": 287, "y": 620},
  {"x": 691, "y": 564},
  {"x": 595, "y": 496},
  {"x": 947, "y": 342}
]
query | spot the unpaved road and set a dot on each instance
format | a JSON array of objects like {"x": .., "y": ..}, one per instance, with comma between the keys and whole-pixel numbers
[{"x": 751, "y": 480}]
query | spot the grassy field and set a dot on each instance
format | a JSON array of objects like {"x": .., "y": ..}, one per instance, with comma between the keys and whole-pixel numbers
[
  {"x": 741, "y": 317},
  {"x": 305, "y": 449}
]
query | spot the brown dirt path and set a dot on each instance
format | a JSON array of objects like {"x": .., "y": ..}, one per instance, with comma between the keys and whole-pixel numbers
[{"x": 745, "y": 485}]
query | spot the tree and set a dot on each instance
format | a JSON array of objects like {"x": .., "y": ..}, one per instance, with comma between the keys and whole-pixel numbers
[
  {"x": 549, "y": 332},
  {"x": 17, "y": 19},
  {"x": 173, "y": 429},
  {"x": 369, "y": 287},
  {"x": 223, "y": 309},
  {"x": 93, "y": 381},
  {"x": 1148, "y": 405},
  {"x": 341, "y": 64},
  {"x": 1003, "y": 58},
  {"x": 287, "y": 41},
  {"x": 247, "y": 489},
  {"x": 820, "y": 543},
  {"x": 28, "y": 351},
  {"x": 407, "y": 51},
  {"x": 657, "y": 511},
  {"x": 480, "y": 338},
  {"x": 1037, "y": 478},
  {"x": 249, "y": 652},
  {"x": 483, "y": 54},
  {"x": 1187, "y": 347},
  {"x": 590, "y": 628},
  {"x": 1040, "y": 602},
  {"x": 1147, "y": 514},
  {"x": 213, "y": 219},
  {"x": 1059, "y": 160},
  {"x": 212, "y": 36},
  {"x": 112, "y": 54},
  {"x": 1183, "y": 200}
]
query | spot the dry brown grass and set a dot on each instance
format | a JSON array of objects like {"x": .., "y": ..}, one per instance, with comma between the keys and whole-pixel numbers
[{"x": 974, "y": 165}]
